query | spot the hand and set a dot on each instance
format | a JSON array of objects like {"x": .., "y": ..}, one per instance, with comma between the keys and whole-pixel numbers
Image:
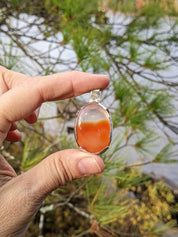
[{"x": 20, "y": 97}]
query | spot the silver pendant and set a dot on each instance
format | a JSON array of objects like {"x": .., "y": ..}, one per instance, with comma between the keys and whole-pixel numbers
[{"x": 93, "y": 126}]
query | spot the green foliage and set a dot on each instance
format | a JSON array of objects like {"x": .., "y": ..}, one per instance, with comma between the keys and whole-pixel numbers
[
  {"x": 105, "y": 205},
  {"x": 145, "y": 142},
  {"x": 123, "y": 6},
  {"x": 151, "y": 9},
  {"x": 146, "y": 221},
  {"x": 152, "y": 13},
  {"x": 33, "y": 153},
  {"x": 132, "y": 111},
  {"x": 17, "y": 3},
  {"x": 35, "y": 149},
  {"x": 150, "y": 208},
  {"x": 161, "y": 104},
  {"x": 78, "y": 28},
  {"x": 66, "y": 142},
  {"x": 166, "y": 154},
  {"x": 78, "y": 11},
  {"x": 7, "y": 59},
  {"x": 128, "y": 178},
  {"x": 136, "y": 204},
  {"x": 134, "y": 52}
]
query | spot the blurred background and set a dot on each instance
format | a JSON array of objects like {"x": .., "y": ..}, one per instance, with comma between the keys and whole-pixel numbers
[{"x": 135, "y": 42}]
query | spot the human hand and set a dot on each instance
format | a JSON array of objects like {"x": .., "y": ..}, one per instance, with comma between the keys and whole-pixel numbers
[{"x": 20, "y": 96}]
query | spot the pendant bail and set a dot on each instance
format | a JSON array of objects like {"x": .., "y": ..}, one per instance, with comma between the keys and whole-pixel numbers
[{"x": 95, "y": 96}]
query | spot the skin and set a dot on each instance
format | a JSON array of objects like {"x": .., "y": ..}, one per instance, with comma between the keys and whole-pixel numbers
[{"x": 20, "y": 98}]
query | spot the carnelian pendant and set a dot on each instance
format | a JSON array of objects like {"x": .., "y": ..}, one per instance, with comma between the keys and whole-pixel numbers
[{"x": 93, "y": 127}]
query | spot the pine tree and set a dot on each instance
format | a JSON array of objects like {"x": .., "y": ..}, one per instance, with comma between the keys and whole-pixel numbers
[{"x": 137, "y": 48}]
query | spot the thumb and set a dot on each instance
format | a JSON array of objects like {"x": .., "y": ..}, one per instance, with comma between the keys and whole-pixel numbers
[
  {"x": 24, "y": 194},
  {"x": 62, "y": 167}
]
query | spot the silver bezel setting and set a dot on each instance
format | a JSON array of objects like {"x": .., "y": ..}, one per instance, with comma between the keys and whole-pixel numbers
[{"x": 110, "y": 121}]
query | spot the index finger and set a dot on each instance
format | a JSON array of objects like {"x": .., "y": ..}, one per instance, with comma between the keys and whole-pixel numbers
[{"x": 21, "y": 101}]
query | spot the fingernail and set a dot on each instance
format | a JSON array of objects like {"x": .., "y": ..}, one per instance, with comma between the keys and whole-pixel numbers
[
  {"x": 37, "y": 111},
  {"x": 102, "y": 75},
  {"x": 91, "y": 165}
]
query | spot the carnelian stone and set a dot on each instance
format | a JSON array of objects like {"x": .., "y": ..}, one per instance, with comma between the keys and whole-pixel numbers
[
  {"x": 93, "y": 128},
  {"x": 93, "y": 136}
]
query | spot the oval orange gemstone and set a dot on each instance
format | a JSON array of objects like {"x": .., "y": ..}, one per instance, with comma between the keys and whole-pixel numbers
[
  {"x": 93, "y": 136},
  {"x": 93, "y": 128}
]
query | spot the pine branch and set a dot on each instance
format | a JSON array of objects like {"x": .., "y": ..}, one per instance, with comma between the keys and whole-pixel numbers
[
  {"x": 79, "y": 211},
  {"x": 74, "y": 193},
  {"x": 138, "y": 89}
]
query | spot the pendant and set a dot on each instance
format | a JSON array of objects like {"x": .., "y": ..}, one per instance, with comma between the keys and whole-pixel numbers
[{"x": 93, "y": 126}]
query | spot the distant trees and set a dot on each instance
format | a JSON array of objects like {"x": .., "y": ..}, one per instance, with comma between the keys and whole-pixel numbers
[{"x": 138, "y": 49}]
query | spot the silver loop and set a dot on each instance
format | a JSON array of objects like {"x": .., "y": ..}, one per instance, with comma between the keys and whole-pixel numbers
[{"x": 95, "y": 96}]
